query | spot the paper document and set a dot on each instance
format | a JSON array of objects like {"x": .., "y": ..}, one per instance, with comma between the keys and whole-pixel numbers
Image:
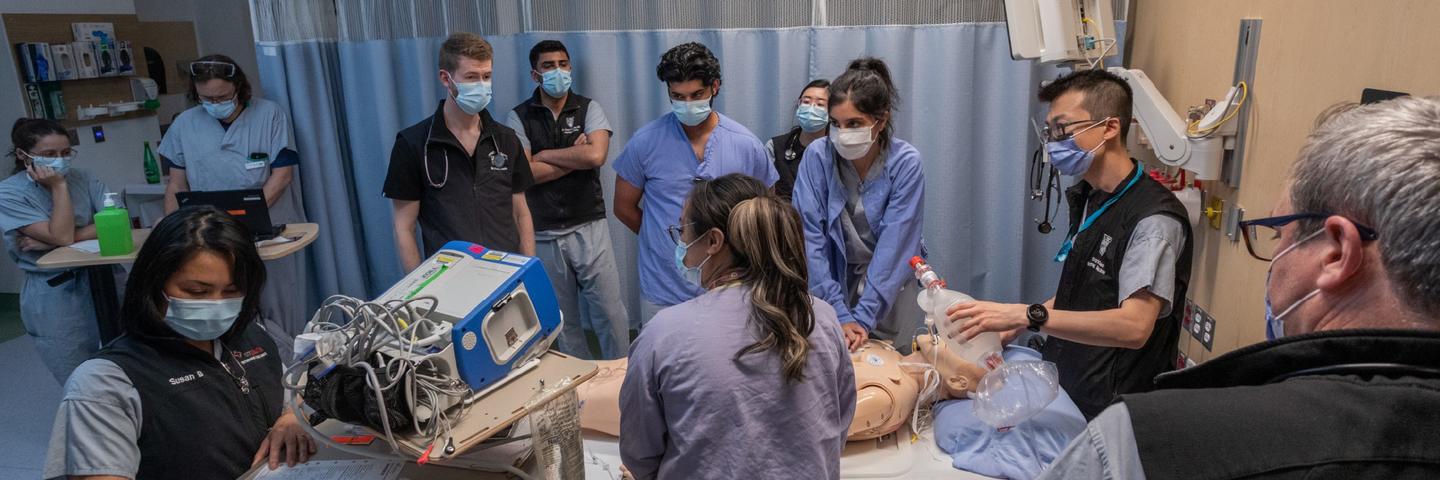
[
  {"x": 88, "y": 246},
  {"x": 275, "y": 241},
  {"x": 333, "y": 470}
]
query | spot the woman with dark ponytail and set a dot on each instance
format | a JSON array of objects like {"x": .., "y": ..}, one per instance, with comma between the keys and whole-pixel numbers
[
  {"x": 752, "y": 376},
  {"x": 47, "y": 203},
  {"x": 860, "y": 193}
]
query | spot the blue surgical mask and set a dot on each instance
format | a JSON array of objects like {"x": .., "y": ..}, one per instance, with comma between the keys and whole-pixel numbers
[
  {"x": 691, "y": 113},
  {"x": 1068, "y": 158},
  {"x": 202, "y": 319},
  {"x": 811, "y": 118},
  {"x": 692, "y": 275},
  {"x": 220, "y": 110},
  {"x": 1275, "y": 324},
  {"x": 555, "y": 82},
  {"x": 471, "y": 97},
  {"x": 60, "y": 165}
]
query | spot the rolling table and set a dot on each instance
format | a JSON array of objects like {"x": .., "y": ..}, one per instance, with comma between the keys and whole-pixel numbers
[{"x": 102, "y": 281}]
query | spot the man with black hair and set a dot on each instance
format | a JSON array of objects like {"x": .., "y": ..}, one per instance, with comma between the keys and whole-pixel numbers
[
  {"x": 1112, "y": 325},
  {"x": 1346, "y": 386},
  {"x": 665, "y": 157},
  {"x": 567, "y": 137}
]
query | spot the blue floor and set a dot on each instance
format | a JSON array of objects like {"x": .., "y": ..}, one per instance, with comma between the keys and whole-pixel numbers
[{"x": 28, "y": 397}]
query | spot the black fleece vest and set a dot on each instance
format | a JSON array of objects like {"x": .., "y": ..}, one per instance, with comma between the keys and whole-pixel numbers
[
  {"x": 1312, "y": 406},
  {"x": 1090, "y": 281},
  {"x": 576, "y": 197},
  {"x": 788, "y": 151},
  {"x": 195, "y": 422}
]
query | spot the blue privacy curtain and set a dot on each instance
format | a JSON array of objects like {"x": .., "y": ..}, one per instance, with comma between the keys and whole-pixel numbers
[{"x": 965, "y": 105}]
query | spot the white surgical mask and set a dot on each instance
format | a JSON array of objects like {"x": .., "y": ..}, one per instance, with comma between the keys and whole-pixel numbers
[
  {"x": 852, "y": 143},
  {"x": 1275, "y": 324}
]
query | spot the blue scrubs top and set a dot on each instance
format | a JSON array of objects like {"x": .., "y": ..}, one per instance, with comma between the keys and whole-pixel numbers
[
  {"x": 894, "y": 203},
  {"x": 658, "y": 160}
]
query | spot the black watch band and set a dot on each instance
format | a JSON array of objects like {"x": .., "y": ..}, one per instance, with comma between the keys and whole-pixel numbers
[{"x": 1037, "y": 314}]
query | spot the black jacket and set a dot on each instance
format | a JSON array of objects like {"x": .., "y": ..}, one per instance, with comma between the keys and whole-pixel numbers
[{"x": 1338, "y": 404}]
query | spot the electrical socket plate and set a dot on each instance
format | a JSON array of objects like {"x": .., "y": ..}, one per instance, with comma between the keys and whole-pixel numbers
[{"x": 1199, "y": 324}]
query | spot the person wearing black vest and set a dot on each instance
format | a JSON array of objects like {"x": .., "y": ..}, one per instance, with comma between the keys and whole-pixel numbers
[
  {"x": 191, "y": 389},
  {"x": 1347, "y": 384},
  {"x": 811, "y": 118},
  {"x": 1112, "y": 325},
  {"x": 566, "y": 138}
]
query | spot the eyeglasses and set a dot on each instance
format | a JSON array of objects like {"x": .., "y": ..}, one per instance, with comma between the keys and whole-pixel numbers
[
  {"x": 676, "y": 230},
  {"x": 1054, "y": 132},
  {"x": 1262, "y": 235},
  {"x": 212, "y": 68},
  {"x": 68, "y": 154},
  {"x": 220, "y": 99}
]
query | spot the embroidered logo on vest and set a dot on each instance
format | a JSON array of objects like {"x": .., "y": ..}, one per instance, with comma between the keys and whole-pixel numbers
[{"x": 499, "y": 161}]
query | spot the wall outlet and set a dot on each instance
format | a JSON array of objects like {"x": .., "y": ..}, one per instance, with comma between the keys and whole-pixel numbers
[{"x": 1199, "y": 324}]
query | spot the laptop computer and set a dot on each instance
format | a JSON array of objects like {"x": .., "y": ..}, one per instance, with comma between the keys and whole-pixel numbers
[{"x": 248, "y": 206}]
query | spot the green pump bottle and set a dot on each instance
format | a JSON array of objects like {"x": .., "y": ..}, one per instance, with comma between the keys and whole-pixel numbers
[{"x": 112, "y": 227}]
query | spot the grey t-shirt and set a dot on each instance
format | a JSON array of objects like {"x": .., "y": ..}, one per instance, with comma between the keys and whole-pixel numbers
[
  {"x": 97, "y": 428},
  {"x": 594, "y": 121},
  {"x": 1105, "y": 450},
  {"x": 1150, "y": 260}
]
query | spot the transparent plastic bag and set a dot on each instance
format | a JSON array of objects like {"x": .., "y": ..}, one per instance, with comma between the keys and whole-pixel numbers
[{"x": 1014, "y": 392}]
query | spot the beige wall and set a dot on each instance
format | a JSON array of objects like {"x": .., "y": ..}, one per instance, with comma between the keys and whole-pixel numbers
[{"x": 1313, "y": 53}]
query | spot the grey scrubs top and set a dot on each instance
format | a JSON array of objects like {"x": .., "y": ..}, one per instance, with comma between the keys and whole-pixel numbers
[
  {"x": 241, "y": 156},
  {"x": 860, "y": 239},
  {"x": 24, "y": 202}
]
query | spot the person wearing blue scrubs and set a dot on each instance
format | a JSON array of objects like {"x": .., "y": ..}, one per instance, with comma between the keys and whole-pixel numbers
[
  {"x": 233, "y": 141},
  {"x": 47, "y": 203},
  {"x": 664, "y": 159},
  {"x": 860, "y": 194}
]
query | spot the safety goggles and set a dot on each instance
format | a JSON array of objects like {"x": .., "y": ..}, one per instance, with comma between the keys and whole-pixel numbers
[
  {"x": 1262, "y": 235},
  {"x": 212, "y": 69}
]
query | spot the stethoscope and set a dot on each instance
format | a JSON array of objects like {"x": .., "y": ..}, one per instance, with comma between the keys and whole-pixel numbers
[
  {"x": 1040, "y": 171},
  {"x": 790, "y": 147},
  {"x": 425, "y": 157}
]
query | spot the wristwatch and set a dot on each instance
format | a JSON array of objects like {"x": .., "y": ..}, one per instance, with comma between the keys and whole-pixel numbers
[{"x": 1038, "y": 315}]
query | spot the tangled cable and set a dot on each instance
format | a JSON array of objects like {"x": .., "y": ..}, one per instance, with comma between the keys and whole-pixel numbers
[{"x": 395, "y": 344}]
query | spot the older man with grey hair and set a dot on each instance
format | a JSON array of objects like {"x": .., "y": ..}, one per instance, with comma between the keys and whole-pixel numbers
[{"x": 1348, "y": 386}]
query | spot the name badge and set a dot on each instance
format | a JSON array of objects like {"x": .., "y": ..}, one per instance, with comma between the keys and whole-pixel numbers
[{"x": 257, "y": 160}]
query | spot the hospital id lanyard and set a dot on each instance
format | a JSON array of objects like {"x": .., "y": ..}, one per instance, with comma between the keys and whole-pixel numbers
[{"x": 1090, "y": 219}]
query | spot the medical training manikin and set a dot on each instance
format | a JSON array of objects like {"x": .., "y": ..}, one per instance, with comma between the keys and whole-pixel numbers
[{"x": 887, "y": 387}]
